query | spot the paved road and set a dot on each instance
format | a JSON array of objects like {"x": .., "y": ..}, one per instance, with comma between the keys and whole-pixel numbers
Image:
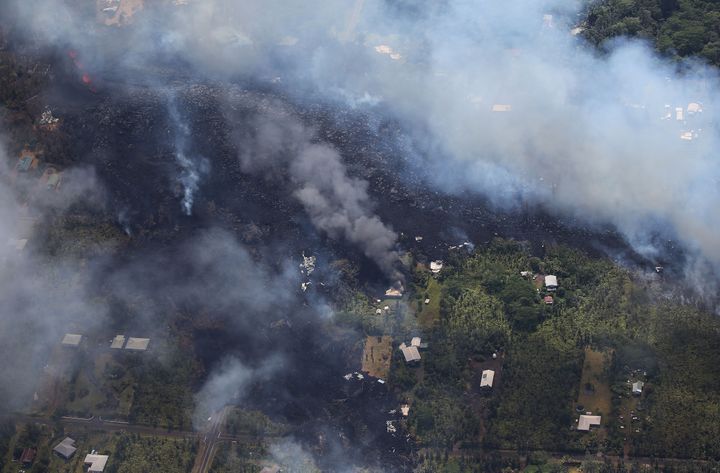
[
  {"x": 212, "y": 436},
  {"x": 208, "y": 441}
]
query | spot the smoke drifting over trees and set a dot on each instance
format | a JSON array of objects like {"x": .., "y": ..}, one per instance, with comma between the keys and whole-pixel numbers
[{"x": 584, "y": 135}]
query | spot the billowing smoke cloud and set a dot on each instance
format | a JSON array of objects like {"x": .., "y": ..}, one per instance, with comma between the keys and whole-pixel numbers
[
  {"x": 337, "y": 203},
  {"x": 228, "y": 384},
  {"x": 39, "y": 301},
  {"x": 496, "y": 97},
  {"x": 192, "y": 168}
]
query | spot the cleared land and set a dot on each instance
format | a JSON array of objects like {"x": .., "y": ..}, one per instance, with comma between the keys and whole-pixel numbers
[
  {"x": 595, "y": 393},
  {"x": 377, "y": 356}
]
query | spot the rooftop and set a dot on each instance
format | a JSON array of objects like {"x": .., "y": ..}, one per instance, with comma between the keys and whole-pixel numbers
[
  {"x": 97, "y": 462},
  {"x": 586, "y": 422},
  {"x": 411, "y": 354},
  {"x": 487, "y": 378},
  {"x": 139, "y": 344},
  {"x": 118, "y": 342},
  {"x": 551, "y": 281},
  {"x": 415, "y": 342},
  {"x": 71, "y": 339},
  {"x": 66, "y": 448}
]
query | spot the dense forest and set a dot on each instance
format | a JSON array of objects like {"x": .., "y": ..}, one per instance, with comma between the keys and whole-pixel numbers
[{"x": 678, "y": 28}]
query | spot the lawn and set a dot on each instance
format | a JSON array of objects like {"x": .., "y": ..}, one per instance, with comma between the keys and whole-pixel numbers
[
  {"x": 594, "y": 393},
  {"x": 429, "y": 313}
]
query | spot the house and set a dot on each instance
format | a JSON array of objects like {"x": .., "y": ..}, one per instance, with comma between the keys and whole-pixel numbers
[
  {"x": 637, "y": 388},
  {"x": 66, "y": 448},
  {"x": 97, "y": 462},
  {"x": 118, "y": 342},
  {"x": 487, "y": 378},
  {"x": 137, "y": 344},
  {"x": 71, "y": 340},
  {"x": 415, "y": 342},
  {"x": 28, "y": 456},
  {"x": 393, "y": 293},
  {"x": 270, "y": 469},
  {"x": 27, "y": 162},
  {"x": 501, "y": 108},
  {"x": 548, "y": 300},
  {"x": 693, "y": 108},
  {"x": 679, "y": 114},
  {"x": 405, "y": 410},
  {"x": 411, "y": 354},
  {"x": 551, "y": 282},
  {"x": 587, "y": 421},
  {"x": 436, "y": 266}
]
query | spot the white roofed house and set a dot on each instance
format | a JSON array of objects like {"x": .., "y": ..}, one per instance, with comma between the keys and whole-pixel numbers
[
  {"x": 410, "y": 353},
  {"x": 71, "y": 340},
  {"x": 637, "y": 388},
  {"x": 551, "y": 282},
  {"x": 137, "y": 344},
  {"x": 487, "y": 378},
  {"x": 97, "y": 462},
  {"x": 587, "y": 421}
]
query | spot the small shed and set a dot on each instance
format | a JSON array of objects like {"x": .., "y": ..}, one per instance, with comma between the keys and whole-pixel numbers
[
  {"x": 486, "y": 381},
  {"x": 637, "y": 388},
  {"x": 548, "y": 300},
  {"x": 436, "y": 266},
  {"x": 393, "y": 293},
  {"x": 118, "y": 342},
  {"x": 28, "y": 456},
  {"x": 71, "y": 340},
  {"x": 587, "y": 421},
  {"x": 415, "y": 342}
]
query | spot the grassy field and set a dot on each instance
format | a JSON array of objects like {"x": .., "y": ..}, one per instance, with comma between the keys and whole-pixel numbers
[
  {"x": 429, "y": 313},
  {"x": 377, "y": 355},
  {"x": 594, "y": 394}
]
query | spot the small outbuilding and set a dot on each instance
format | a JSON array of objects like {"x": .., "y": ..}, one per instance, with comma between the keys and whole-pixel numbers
[
  {"x": 436, "y": 266},
  {"x": 393, "y": 293},
  {"x": 486, "y": 381},
  {"x": 28, "y": 456},
  {"x": 637, "y": 388},
  {"x": 117, "y": 342},
  {"x": 587, "y": 421},
  {"x": 415, "y": 342},
  {"x": 551, "y": 282},
  {"x": 66, "y": 448},
  {"x": 548, "y": 300},
  {"x": 71, "y": 340}
]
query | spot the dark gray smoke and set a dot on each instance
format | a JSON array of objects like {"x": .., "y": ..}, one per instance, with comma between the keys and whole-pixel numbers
[{"x": 338, "y": 204}]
